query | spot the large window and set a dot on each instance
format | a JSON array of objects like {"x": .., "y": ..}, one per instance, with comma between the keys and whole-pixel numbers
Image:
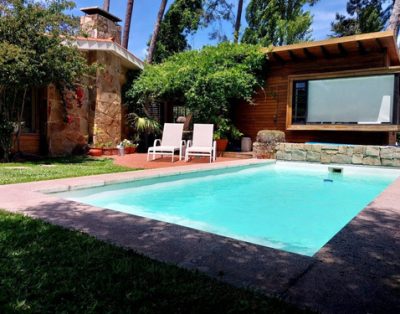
[{"x": 354, "y": 100}]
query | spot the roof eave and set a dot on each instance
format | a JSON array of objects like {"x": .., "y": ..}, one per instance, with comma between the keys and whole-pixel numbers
[
  {"x": 129, "y": 60},
  {"x": 388, "y": 35}
]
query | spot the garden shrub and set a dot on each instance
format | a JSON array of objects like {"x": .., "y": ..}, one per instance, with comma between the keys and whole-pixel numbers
[{"x": 206, "y": 81}]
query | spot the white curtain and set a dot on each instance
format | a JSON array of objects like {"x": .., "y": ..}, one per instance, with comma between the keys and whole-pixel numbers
[{"x": 362, "y": 100}]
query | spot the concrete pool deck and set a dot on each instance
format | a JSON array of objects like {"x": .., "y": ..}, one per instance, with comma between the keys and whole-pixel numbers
[{"x": 357, "y": 271}]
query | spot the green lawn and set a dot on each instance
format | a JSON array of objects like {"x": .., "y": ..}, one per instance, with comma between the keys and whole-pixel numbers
[
  {"x": 55, "y": 168},
  {"x": 47, "y": 269}
]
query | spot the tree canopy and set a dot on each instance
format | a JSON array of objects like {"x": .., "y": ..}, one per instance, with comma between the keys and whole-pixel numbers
[
  {"x": 277, "y": 22},
  {"x": 208, "y": 81},
  {"x": 185, "y": 17},
  {"x": 181, "y": 19},
  {"x": 364, "y": 16}
]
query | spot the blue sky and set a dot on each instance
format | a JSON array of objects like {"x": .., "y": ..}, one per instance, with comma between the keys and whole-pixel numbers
[{"x": 145, "y": 12}]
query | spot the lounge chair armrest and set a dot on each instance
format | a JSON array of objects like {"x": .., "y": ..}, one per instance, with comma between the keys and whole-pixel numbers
[
  {"x": 215, "y": 146},
  {"x": 157, "y": 141}
]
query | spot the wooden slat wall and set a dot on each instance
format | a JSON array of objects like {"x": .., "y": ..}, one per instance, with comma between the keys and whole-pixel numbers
[
  {"x": 269, "y": 111},
  {"x": 30, "y": 143}
]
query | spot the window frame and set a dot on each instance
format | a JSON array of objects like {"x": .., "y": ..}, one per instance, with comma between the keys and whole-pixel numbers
[{"x": 343, "y": 127}]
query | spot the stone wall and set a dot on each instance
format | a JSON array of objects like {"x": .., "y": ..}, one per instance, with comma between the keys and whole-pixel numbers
[
  {"x": 340, "y": 154},
  {"x": 108, "y": 105},
  {"x": 67, "y": 131},
  {"x": 97, "y": 26}
]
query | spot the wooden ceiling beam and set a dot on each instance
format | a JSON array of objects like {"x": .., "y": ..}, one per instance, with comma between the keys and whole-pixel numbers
[
  {"x": 361, "y": 48},
  {"x": 308, "y": 54},
  {"x": 380, "y": 45},
  {"x": 293, "y": 56},
  {"x": 325, "y": 52},
  {"x": 277, "y": 57},
  {"x": 342, "y": 50}
]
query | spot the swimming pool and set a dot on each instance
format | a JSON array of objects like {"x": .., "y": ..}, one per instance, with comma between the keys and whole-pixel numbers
[{"x": 287, "y": 206}]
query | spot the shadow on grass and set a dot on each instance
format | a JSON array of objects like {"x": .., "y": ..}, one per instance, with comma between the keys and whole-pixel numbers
[
  {"x": 68, "y": 160},
  {"x": 47, "y": 269}
]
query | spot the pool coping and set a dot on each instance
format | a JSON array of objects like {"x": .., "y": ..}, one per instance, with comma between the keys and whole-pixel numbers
[{"x": 358, "y": 270}]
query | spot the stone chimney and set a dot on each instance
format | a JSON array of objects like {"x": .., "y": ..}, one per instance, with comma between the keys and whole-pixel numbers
[{"x": 98, "y": 23}]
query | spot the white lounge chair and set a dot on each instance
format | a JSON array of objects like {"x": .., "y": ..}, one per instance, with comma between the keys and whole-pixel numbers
[
  {"x": 202, "y": 144},
  {"x": 170, "y": 143}
]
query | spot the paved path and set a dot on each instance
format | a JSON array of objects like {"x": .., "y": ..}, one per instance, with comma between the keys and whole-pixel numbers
[{"x": 358, "y": 271}]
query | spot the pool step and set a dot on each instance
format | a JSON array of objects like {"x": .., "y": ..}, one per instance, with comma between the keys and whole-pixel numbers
[{"x": 240, "y": 155}]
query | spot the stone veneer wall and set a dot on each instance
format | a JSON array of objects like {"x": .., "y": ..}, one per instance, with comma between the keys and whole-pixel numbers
[
  {"x": 97, "y": 26},
  {"x": 108, "y": 107},
  {"x": 340, "y": 154},
  {"x": 67, "y": 132}
]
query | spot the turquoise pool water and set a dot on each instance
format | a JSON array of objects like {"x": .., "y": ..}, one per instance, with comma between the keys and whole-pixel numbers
[{"x": 287, "y": 207}]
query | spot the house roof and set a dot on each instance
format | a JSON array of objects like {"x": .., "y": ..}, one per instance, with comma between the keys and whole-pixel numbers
[
  {"x": 99, "y": 11},
  {"x": 362, "y": 43},
  {"x": 128, "y": 59}
]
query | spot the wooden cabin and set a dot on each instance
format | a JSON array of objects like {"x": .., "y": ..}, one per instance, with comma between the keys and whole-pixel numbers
[{"x": 340, "y": 90}]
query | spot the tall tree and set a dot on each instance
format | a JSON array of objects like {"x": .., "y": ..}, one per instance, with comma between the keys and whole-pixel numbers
[
  {"x": 238, "y": 20},
  {"x": 214, "y": 13},
  {"x": 277, "y": 22},
  {"x": 106, "y": 5},
  {"x": 154, "y": 37},
  {"x": 364, "y": 16},
  {"x": 182, "y": 18},
  {"x": 127, "y": 26},
  {"x": 394, "y": 20}
]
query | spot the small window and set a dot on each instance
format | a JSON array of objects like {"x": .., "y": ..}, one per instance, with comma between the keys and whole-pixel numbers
[
  {"x": 299, "y": 115},
  {"x": 180, "y": 111}
]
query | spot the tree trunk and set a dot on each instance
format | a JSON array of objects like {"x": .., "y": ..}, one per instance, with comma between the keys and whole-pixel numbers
[
  {"x": 106, "y": 5},
  {"x": 156, "y": 30},
  {"x": 127, "y": 26},
  {"x": 395, "y": 18},
  {"x": 238, "y": 20}
]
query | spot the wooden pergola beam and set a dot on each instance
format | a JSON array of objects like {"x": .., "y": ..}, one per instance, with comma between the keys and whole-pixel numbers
[
  {"x": 308, "y": 54},
  {"x": 278, "y": 57},
  {"x": 342, "y": 50},
  {"x": 361, "y": 48},
  {"x": 293, "y": 56},
  {"x": 325, "y": 52},
  {"x": 380, "y": 45}
]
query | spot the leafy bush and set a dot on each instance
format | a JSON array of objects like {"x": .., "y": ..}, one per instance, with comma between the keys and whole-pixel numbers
[{"x": 207, "y": 81}]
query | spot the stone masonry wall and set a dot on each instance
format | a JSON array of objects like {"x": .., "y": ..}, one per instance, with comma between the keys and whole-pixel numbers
[
  {"x": 67, "y": 132},
  {"x": 340, "y": 154},
  {"x": 108, "y": 110},
  {"x": 97, "y": 26}
]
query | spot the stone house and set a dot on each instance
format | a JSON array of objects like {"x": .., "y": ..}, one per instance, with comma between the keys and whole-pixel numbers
[{"x": 94, "y": 112}]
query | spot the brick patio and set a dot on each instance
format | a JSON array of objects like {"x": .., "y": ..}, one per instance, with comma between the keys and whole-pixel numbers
[{"x": 139, "y": 161}]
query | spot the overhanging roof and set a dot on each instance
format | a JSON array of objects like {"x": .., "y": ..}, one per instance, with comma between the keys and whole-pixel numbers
[
  {"x": 362, "y": 43},
  {"x": 128, "y": 59}
]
